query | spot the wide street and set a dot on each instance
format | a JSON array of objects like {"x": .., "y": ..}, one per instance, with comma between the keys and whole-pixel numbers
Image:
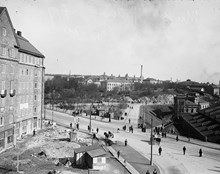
[{"x": 172, "y": 160}]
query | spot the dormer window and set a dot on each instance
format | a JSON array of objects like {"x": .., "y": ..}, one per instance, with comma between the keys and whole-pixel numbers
[{"x": 4, "y": 32}]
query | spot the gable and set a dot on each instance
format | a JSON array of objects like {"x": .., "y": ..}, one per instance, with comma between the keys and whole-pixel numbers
[{"x": 7, "y": 32}]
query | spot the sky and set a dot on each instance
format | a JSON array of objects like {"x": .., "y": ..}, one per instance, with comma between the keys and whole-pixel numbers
[{"x": 172, "y": 39}]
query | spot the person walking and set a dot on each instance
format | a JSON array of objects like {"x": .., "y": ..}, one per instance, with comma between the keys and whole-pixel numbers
[
  {"x": 126, "y": 142},
  {"x": 118, "y": 153},
  {"x": 200, "y": 152},
  {"x": 129, "y": 120},
  {"x": 184, "y": 150},
  {"x": 155, "y": 171},
  {"x": 148, "y": 172},
  {"x": 71, "y": 125},
  {"x": 160, "y": 150},
  {"x": 97, "y": 130},
  {"x": 177, "y": 138},
  {"x": 77, "y": 126}
]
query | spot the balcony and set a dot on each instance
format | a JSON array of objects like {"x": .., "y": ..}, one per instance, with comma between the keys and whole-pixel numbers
[
  {"x": 12, "y": 92},
  {"x": 3, "y": 93}
]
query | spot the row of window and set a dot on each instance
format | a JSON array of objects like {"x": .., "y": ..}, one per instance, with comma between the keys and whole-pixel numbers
[
  {"x": 30, "y": 72},
  {"x": 5, "y": 69},
  {"x": 7, "y": 52},
  {"x": 26, "y": 98},
  {"x": 25, "y": 58},
  {"x": 3, "y": 85}
]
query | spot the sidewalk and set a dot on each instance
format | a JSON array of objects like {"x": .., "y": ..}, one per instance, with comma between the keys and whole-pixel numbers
[{"x": 135, "y": 162}]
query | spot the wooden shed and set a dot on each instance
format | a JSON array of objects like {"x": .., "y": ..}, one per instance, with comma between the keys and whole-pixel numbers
[{"x": 93, "y": 156}]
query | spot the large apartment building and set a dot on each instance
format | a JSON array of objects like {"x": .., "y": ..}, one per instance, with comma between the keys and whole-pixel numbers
[{"x": 21, "y": 84}]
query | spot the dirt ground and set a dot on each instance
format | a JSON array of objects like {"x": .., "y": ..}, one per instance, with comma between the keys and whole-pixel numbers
[{"x": 40, "y": 154}]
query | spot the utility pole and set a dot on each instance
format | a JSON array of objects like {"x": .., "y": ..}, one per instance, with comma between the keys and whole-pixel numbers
[
  {"x": 90, "y": 118},
  {"x": 151, "y": 142}
]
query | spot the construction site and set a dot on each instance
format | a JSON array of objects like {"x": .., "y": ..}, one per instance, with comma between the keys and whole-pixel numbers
[{"x": 51, "y": 150}]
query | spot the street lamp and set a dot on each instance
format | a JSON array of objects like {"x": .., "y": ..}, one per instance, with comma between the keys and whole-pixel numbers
[
  {"x": 90, "y": 118},
  {"x": 151, "y": 141}
]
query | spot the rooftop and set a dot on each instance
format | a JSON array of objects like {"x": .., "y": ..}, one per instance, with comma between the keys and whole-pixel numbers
[{"x": 27, "y": 47}]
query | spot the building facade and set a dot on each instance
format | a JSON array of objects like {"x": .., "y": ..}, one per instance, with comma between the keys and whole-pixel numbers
[
  {"x": 122, "y": 85},
  {"x": 21, "y": 84}
]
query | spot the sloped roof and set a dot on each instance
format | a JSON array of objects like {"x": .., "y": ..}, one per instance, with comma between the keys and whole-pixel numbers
[
  {"x": 1, "y": 9},
  {"x": 187, "y": 103},
  {"x": 96, "y": 152},
  {"x": 27, "y": 47},
  {"x": 87, "y": 148}
]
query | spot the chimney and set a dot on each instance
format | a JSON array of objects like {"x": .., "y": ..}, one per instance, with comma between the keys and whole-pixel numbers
[
  {"x": 19, "y": 33},
  {"x": 141, "y": 74}
]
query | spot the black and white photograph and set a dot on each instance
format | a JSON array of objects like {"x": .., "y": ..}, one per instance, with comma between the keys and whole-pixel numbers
[{"x": 109, "y": 86}]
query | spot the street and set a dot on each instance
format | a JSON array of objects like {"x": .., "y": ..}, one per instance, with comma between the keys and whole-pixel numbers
[{"x": 172, "y": 160}]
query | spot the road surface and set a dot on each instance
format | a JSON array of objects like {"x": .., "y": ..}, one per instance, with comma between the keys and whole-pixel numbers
[{"x": 172, "y": 160}]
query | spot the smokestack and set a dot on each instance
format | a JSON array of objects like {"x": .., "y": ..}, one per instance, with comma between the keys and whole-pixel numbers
[
  {"x": 141, "y": 73},
  {"x": 141, "y": 70}
]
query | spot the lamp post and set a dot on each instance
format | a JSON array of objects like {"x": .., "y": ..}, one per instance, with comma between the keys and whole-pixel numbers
[
  {"x": 90, "y": 118},
  {"x": 151, "y": 142}
]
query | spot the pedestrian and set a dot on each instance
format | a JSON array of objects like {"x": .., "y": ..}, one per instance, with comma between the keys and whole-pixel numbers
[
  {"x": 148, "y": 172},
  {"x": 160, "y": 150},
  {"x": 118, "y": 153},
  {"x": 184, "y": 150},
  {"x": 88, "y": 128},
  {"x": 97, "y": 130},
  {"x": 118, "y": 130},
  {"x": 34, "y": 132},
  {"x": 77, "y": 126},
  {"x": 129, "y": 120},
  {"x": 177, "y": 138},
  {"x": 132, "y": 130},
  {"x": 71, "y": 125},
  {"x": 155, "y": 171},
  {"x": 126, "y": 142},
  {"x": 200, "y": 152}
]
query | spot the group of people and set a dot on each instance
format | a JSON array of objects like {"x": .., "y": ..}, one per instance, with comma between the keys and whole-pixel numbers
[
  {"x": 184, "y": 151},
  {"x": 154, "y": 171}
]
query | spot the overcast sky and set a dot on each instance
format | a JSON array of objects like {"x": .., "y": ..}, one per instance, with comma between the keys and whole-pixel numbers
[{"x": 178, "y": 39}]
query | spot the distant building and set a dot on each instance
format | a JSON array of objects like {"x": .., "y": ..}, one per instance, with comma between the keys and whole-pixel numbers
[
  {"x": 152, "y": 81},
  {"x": 184, "y": 104},
  {"x": 122, "y": 85}
]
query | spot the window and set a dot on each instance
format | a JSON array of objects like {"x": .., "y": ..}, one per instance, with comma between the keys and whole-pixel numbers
[
  {"x": 27, "y": 72},
  {"x": 35, "y": 109},
  {"x": 99, "y": 160},
  {"x": 35, "y": 85},
  {"x": 4, "y": 51},
  {"x": 26, "y": 58},
  {"x": 1, "y": 121},
  {"x": 12, "y": 84},
  {"x": 12, "y": 53},
  {"x": 3, "y": 85},
  {"x": 35, "y": 97},
  {"x": 12, "y": 69},
  {"x": 3, "y": 68},
  {"x": 4, "y": 32},
  {"x": 35, "y": 72}
]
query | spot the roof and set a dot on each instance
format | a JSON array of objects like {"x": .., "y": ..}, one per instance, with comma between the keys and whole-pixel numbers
[
  {"x": 87, "y": 148},
  {"x": 1, "y": 9},
  {"x": 27, "y": 47},
  {"x": 119, "y": 80},
  {"x": 96, "y": 152},
  {"x": 190, "y": 103}
]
